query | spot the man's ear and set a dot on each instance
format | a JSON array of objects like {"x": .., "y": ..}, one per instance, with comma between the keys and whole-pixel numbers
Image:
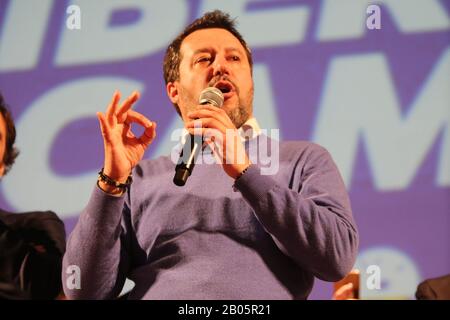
[
  {"x": 2, "y": 169},
  {"x": 172, "y": 92}
]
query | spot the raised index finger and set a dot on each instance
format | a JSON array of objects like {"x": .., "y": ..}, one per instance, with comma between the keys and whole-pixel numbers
[
  {"x": 121, "y": 111},
  {"x": 114, "y": 101}
]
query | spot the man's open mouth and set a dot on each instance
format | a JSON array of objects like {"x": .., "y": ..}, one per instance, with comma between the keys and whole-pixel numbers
[{"x": 224, "y": 86}]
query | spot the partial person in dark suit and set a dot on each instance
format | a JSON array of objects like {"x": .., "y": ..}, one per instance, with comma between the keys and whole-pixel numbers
[
  {"x": 31, "y": 244},
  {"x": 434, "y": 289}
]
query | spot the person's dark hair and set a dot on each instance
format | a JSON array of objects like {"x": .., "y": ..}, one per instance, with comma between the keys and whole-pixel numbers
[
  {"x": 11, "y": 152},
  {"x": 213, "y": 19}
]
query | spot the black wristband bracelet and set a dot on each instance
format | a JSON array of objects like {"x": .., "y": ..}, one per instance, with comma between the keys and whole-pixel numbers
[
  {"x": 242, "y": 173},
  {"x": 109, "y": 181}
]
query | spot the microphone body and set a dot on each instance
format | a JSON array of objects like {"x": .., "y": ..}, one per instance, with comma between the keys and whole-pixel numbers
[{"x": 194, "y": 144}]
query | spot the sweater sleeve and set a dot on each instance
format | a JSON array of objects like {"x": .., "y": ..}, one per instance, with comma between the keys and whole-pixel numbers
[
  {"x": 310, "y": 220},
  {"x": 98, "y": 249}
]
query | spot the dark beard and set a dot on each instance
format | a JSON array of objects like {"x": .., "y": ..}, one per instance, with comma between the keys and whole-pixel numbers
[{"x": 237, "y": 115}]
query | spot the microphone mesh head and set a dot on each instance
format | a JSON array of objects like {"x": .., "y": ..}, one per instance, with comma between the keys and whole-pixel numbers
[{"x": 211, "y": 95}]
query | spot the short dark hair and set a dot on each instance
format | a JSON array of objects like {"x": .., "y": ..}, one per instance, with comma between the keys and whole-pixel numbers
[
  {"x": 11, "y": 152},
  {"x": 213, "y": 19}
]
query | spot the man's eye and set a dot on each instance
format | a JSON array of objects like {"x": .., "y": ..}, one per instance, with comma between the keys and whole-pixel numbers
[
  {"x": 235, "y": 58},
  {"x": 203, "y": 59}
]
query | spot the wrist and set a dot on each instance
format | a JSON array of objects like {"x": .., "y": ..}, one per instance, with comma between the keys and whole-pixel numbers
[
  {"x": 109, "y": 189},
  {"x": 241, "y": 171},
  {"x": 111, "y": 185},
  {"x": 120, "y": 177}
]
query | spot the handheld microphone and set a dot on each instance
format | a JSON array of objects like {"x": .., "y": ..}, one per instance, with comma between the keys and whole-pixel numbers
[{"x": 193, "y": 145}]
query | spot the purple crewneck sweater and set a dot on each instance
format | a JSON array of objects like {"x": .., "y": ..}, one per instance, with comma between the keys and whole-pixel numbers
[{"x": 267, "y": 238}]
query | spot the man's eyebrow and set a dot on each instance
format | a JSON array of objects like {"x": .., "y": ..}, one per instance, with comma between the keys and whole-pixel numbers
[
  {"x": 208, "y": 50},
  {"x": 233, "y": 49},
  {"x": 202, "y": 50}
]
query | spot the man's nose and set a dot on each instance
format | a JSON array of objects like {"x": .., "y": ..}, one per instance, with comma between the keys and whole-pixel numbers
[{"x": 220, "y": 66}]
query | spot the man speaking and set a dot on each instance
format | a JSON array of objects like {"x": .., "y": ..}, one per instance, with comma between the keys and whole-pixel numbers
[{"x": 231, "y": 232}]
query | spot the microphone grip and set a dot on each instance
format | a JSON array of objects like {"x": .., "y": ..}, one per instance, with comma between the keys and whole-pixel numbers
[
  {"x": 186, "y": 162},
  {"x": 193, "y": 147}
]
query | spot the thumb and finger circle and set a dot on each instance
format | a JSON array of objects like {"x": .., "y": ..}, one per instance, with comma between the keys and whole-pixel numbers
[
  {"x": 149, "y": 127},
  {"x": 124, "y": 115},
  {"x": 115, "y": 113}
]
